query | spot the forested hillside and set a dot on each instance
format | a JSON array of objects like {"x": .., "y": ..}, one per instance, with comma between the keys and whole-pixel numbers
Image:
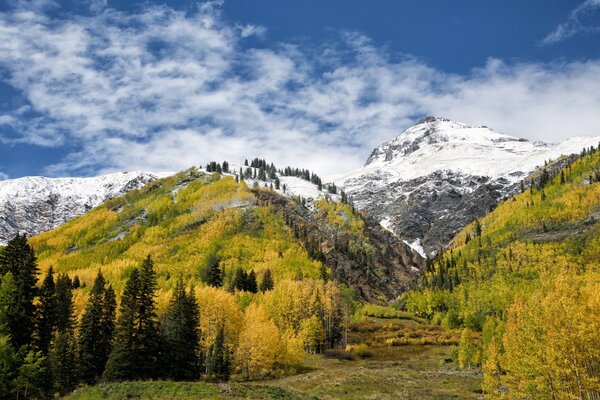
[
  {"x": 524, "y": 282},
  {"x": 195, "y": 275}
]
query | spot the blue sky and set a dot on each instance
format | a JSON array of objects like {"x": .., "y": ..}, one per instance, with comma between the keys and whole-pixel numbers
[{"x": 96, "y": 86}]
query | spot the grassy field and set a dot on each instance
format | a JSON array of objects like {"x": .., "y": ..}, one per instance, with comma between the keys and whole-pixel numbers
[{"x": 376, "y": 367}]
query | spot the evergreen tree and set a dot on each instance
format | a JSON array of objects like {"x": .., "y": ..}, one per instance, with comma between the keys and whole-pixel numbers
[
  {"x": 137, "y": 347},
  {"x": 95, "y": 332},
  {"x": 107, "y": 326},
  {"x": 18, "y": 259},
  {"x": 267, "y": 281},
  {"x": 76, "y": 282},
  {"x": 181, "y": 335},
  {"x": 46, "y": 312},
  {"x": 240, "y": 279},
  {"x": 121, "y": 361},
  {"x": 218, "y": 364},
  {"x": 251, "y": 285},
  {"x": 214, "y": 274},
  {"x": 63, "y": 353}
]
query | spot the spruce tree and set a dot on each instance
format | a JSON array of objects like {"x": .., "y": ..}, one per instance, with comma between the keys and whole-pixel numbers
[
  {"x": 46, "y": 312},
  {"x": 63, "y": 361},
  {"x": 107, "y": 326},
  {"x": 95, "y": 332},
  {"x": 218, "y": 364},
  {"x": 240, "y": 279},
  {"x": 251, "y": 285},
  {"x": 214, "y": 274},
  {"x": 267, "y": 281},
  {"x": 137, "y": 344},
  {"x": 18, "y": 259},
  {"x": 121, "y": 361},
  {"x": 181, "y": 336}
]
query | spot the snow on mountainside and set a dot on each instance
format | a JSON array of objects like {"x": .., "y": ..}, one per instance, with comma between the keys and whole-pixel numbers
[
  {"x": 439, "y": 175},
  {"x": 35, "y": 204}
]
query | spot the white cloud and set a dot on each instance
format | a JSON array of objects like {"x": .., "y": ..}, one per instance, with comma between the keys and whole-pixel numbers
[
  {"x": 252, "y": 30},
  {"x": 574, "y": 24},
  {"x": 164, "y": 90}
]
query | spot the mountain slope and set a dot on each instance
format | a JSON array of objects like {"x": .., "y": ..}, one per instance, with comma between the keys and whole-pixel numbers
[
  {"x": 187, "y": 220},
  {"x": 32, "y": 205},
  {"x": 439, "y": 175}
]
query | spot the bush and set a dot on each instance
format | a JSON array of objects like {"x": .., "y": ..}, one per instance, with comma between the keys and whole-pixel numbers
[
  {"x": 360, "y": 350},
  {"x": 338, "y": 354}
]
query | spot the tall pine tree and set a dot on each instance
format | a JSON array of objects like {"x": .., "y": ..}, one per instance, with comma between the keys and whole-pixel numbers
[
  {"x": 181, "y": 336},
  {"x": 63, "y": 360},
  {"x": 18, "y": 259},
  {"x": 95, "y": 331},
  {"x": 218, "y": 363},
  {"x": 136, "y": 350},
  {"x": 46, "y": 312}
]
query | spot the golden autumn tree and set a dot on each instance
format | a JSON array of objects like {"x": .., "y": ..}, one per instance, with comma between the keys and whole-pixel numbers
[
  {"x": 551, "y": 341},
  {"x": 259, "y": 344}
]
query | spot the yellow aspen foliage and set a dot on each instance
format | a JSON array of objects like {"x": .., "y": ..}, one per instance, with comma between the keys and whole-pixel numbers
[
  {"x": 551, "y": 341},
  {"x": 313, "y": 333},
  {"x": 259, "y": 348},
  {"x": 218, "y": 308}
]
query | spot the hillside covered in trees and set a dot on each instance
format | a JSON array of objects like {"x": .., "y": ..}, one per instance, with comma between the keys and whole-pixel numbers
[
  {"x": 193, "y": 276},
  {"x": 524, "y": 283}
]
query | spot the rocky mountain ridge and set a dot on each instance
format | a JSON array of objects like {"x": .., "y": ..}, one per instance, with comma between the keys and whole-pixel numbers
[
  {"x": 35, "y": 204},
  {"x": 439, "y": 175}
]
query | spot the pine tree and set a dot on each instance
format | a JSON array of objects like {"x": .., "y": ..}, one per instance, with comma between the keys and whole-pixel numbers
[
  {"x": 181, "y": 335},
  {"x": 251, "y": 285},
  {"x": 137, "y": 344},
  {"x": 267, "y": 281},
  {"x": 95, "y": 332},
  {"x": 240, "y": 279},
  {"x": 18, "y": 259},
  {"x": 107, "y": 326},
  {"x": 63, "y": 353},
  {"x": 76, "y": 282},
  {"x": 121, "y": 361},
  {"x": 214, "y": 274},
  {"x": 218, "y": 364},
  {"x": 46, "y": 312}
]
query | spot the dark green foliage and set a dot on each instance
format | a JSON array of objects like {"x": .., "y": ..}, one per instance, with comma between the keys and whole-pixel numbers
[
  {"x": 136, "y": 349},
  {"x": 267, "y": 281},
  {"x": 18, "y": 259},
  {"x": 214, "y": 274},
  {"x": 181, "y": 336},
  {"x": 76, "y": 282},
  {"x": 64, "y": 303},
  {"x": 96, "y": 329},
  {"x": 46, "y": 312},
  {"x": 251, "y": 284},
  {"x": 218, "y": 363},
  {"x": 62, "y": 357},
  {"x": 240, "y": 279}
]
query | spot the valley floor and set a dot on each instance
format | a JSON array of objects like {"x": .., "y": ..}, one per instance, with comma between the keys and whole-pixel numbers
[{"x": 407, "y": 371}]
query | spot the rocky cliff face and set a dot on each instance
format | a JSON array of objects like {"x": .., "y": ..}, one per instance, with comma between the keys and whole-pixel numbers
[
  {"x": 379, "y": 269},
  {"x": 36, "y": 204},
  {"x": 439, "y": 175}
]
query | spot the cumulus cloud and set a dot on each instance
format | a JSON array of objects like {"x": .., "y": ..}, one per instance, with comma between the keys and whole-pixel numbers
[
  {"x": 163, "y": 89},
  {"x": 575, "y": 23}
]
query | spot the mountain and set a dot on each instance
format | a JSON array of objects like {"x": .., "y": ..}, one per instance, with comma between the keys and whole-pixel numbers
[
  {"x": 35, "y": 204},
  {"x": 192, "y": 219},
  {"x": 526, "y": 277},
  {"x": 439, "y": 175}
]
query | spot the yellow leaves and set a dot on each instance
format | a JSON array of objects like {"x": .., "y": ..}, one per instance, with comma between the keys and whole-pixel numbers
[
  {"x": 218, "y": 308},
  {"x": 550, "y": 341},
  {"x": 260, "y": 344}
]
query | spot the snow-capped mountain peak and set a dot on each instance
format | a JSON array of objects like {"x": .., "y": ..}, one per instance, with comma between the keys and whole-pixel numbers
[
  {"x": 416, "y": 181},
  {"x": 35, "y": 204}
]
